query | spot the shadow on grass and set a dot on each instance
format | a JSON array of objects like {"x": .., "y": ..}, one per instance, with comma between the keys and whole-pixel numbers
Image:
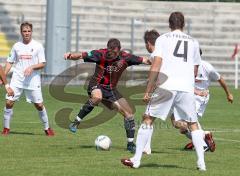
[
  {"x": 161, "y": 165},
  {"x": 22, "y": 133}
]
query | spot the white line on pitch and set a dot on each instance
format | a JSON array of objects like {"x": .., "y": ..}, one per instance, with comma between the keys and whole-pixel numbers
[
  {"x": 229, "y": 140},
  {"x": 225, "y": 130}
]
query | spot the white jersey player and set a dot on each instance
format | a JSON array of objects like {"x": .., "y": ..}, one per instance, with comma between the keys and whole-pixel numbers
[
  {"x": 206, "y": 74},
  {"x": 176, "y": 57},
  {"x": 29, "y": 58}
]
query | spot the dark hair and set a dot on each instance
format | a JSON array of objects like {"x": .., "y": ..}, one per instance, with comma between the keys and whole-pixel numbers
[
  {"x": 151, "y": 36},
  {"x": 113, "y": 43},
  {"x": 176, "y": 20},
  {"x": 26, "y": 24}
]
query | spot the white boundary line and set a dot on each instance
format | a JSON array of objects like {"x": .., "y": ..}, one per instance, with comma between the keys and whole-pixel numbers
[
  {"x": 229, "y": 140},
  {"x": 224, "y": 130}
]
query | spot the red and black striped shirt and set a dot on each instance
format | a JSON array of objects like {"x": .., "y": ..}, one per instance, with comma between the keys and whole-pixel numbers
[{"x": 107, "y": 72}]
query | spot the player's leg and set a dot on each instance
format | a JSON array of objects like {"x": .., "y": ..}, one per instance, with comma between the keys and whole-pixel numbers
[
  {"x": 143, "y": 135},
  {"x": 184, "y": 109},
  {"x": 159, "y": 109},
  {"x": 122, "y": 106},
  {"x": 95, "y": 99},
  {"x": 201, "y": 104},
  {"x": 44, "y": 118},
  {"x": 8, "y": 109},
  {"x": 35, "y": 97},
  {"x": 199, "y": 143}
]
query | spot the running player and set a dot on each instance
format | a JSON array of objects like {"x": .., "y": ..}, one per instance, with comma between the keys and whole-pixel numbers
[
  {"x": 176, "y": 56},
  {"x": 110, "y": 63},
  {"x": 206, "y": 74},
  {"x": 28, "y": 56}
]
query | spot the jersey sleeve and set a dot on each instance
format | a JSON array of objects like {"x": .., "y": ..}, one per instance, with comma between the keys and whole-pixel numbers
[
  {"x": 131, "y": 59},
  {"x": 41, "y": 55},
  {"x": 158, "y": 51},
  {"x": 92, "y": 56},
  {"x": 213, "y": 74},
  {"x": 197, "y": 56},
  {"x": 12, "y": 55}
]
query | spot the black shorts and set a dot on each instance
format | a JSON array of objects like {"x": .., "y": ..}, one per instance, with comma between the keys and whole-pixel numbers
[{"x": 109, "y": 96}]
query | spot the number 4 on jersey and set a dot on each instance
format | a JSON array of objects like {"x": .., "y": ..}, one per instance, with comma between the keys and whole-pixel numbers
[{"x": 185, "y": 50}]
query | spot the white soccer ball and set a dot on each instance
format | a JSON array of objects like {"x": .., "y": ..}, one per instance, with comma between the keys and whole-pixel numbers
[{"x": 103, "y": 142}]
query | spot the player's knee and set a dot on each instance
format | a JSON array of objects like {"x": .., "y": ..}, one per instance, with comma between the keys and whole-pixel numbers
[
  {"x": 180, "y": 125},
  {"x": 39, "y": 106},
  {"x": 127, "y": 113},
  {"x": 147, "y": 119},
  {"x": 183, "y": 130},
  {"x": 96, "y": 99},
  {"x": 9, "y": 104}
]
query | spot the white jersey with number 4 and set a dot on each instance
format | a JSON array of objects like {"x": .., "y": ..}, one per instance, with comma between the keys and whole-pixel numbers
[
  {"x": 179, "y": 53},
  {"x": 24, "y": 56}
]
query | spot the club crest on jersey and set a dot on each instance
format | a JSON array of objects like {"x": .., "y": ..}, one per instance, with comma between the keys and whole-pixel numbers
[{"x": 113, "y": 68}]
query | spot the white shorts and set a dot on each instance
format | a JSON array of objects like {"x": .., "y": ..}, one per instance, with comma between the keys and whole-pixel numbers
[
  {"x": 181, "y": 104},
  {"x": 32, "y": 96},
  {"x": 201, "y": 104}
]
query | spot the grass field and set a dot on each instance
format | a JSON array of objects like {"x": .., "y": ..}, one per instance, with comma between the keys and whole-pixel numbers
[{"x": 28, "y": 152}]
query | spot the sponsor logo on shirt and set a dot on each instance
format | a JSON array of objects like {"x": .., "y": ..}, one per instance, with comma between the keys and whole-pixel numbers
[{"x": 25, "y": 56}]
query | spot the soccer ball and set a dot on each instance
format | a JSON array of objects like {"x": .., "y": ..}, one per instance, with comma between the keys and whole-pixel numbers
[{"x": 103, "y": 142}]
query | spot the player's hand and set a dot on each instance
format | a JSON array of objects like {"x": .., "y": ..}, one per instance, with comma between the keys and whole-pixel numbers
[
  {"x": 146, "y": 61},
  {"x": 1, "y": 82},
  {"x": 67, "y": 56},
  {"x": 10, "y": 91},
  {"x": 146, "y": 97},
  {"x": 202, "y": 93},
  {"x": 28, "y": 71},
  {"x": 230, "y": 98}
]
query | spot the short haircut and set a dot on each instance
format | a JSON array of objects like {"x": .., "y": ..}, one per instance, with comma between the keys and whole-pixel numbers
[
  {"x": 25, "y": 23},
  {"x": 113, "y": 43},
  {"x": 176, "y": 20},
  {"x": 151, "y": 36}
]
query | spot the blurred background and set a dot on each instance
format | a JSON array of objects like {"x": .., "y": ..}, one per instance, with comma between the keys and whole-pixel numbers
[{"x": 83, "y": 25}]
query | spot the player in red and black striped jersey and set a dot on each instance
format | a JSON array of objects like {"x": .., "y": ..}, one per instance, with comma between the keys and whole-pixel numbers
[{"x": 110, "y": 64}]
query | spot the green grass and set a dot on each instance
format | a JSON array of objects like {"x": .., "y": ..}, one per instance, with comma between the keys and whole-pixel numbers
[{"x": 28, "y": 152}]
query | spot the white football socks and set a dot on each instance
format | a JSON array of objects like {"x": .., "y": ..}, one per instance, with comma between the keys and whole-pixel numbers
[
  {"x": 7, "y": 117},
  {"x": 44, "y": 118},
  {"x": 144, "y": 132},
  {"x": 147, "y": 148},
  {"x": 198, "y": 142}
]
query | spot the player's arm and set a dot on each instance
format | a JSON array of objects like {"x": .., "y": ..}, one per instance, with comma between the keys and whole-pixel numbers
[
  {"x": 152, "y": 77},
  {"x": 30, "y": 69},
  {"x": 8, "y": 67},
  {"x": 146, "y": 61},
  {"x": 4, "y": 81},
  {"x": 74, "y": 56},
  {"x": 225, "y": 87},
  {"x": 3, "y": 76}
]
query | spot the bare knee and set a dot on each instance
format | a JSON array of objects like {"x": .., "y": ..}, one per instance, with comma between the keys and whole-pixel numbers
[
  {"x": 180, "y": 124},
  {"x": 9, "y": 104},
  {"x": 96, "y": 99},
  {"x": 148, "y": 119},
  {"x": 39, "y": 106},
  {"x": 193, "y": 126}
]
